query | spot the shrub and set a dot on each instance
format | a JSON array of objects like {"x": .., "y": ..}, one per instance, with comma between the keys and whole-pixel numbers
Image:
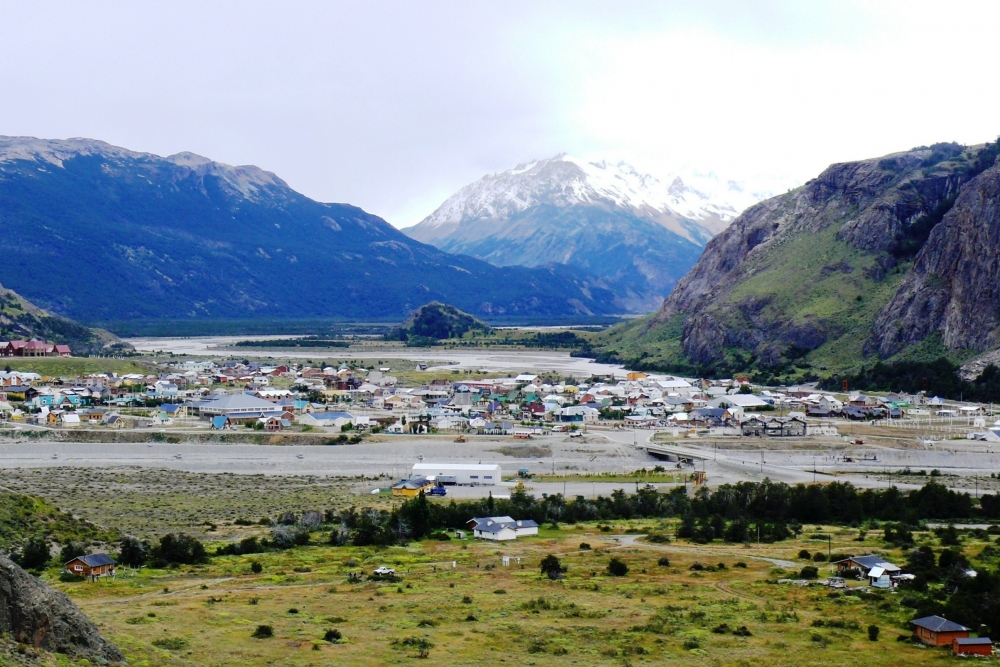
[
  {"x": 70, "y": 551},
  {"x": 617, "y": 567},
  {"x": 697, "y": 567},
  {"x": 133, "y": 552},
  {"x": 171, "y": 643},
  {"x": 34, "y": 554},
  {"x": 805, "y": 555},
  {"x": 263, "y": 632},
  {"x": 178, "y": 549},
  {"x": 663, "y": 562},
  {"x": 809, "y": 572},
  {"x": 256, "y": 567},
  {"x": 740, "y": 564},
  {"x": 721, "y": 629},
  {"x": 690, "y": 644},
  {"x": 742, "y": 631},
  {"x": 873, "y": 633},
  {"x": 466, "y": 599},
  {"x": 584, "y": 546},
  {"x": 333, "y": 636},
  {"x": 552, "y": 567},
  {"x": 819, "y": 557}
]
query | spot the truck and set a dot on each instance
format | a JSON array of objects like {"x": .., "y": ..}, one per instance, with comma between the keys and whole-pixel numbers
[
  {"x": 384, "y": 571},
  {"x": 439, "y": 491},
  {"x": 451, "y": 480}
]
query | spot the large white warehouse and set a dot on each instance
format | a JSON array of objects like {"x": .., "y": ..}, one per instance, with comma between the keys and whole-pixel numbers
[{"x": 475, "y": 474}]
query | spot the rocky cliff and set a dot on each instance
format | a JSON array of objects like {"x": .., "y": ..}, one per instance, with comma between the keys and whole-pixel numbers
[
  {"x": 954, "y": 285},
  {"x": 840, "y": 268},
  {"x": 36, "y": 614}
]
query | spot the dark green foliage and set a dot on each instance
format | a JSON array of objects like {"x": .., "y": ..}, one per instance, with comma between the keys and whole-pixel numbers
[
  {"x": 805, "y": 555},
  {"x": 938, "y": 377},
  {"x": 916, "y": 235},
  {"x": 440, "y": 321},
  {"x": 809, "y": 572},
  {"x": 617, "y": 567},
  {"x": 256, "y": 567},
  {"x": 178, "y": 549},
  {"x": 171, "y": 643},
  {"x": 304, "y": 341},
  {"x": 34, "y": 554},
  {"x": 663, "y": 561},
  {"x": 133, "y": 552},
  {"x": 948, "y": 535},
  {"x": 333, "y": 636},
  {"x": 70, "y": 551},
  {"x": 248, "y": 545},
  {"x": 551, "y": 567},
  {"x": 873, "y": 633},
  {"x": 263, "y": 632}
]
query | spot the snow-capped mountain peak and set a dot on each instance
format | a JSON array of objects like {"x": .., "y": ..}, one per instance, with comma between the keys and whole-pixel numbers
[{"x": 565, "y": 180}]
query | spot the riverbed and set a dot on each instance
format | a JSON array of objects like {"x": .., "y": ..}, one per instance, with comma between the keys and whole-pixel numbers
[{"x": 490, "y": 360}]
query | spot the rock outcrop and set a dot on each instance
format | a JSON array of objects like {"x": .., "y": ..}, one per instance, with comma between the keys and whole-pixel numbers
[
  {"x": 954, "y": 285},
  {"x": 36, "y": 614},
  {"x": 824, "y": 271}
]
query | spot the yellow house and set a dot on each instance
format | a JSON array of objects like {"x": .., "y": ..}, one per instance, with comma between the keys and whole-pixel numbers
[
  {"x": 411, "y": 488},
  {"x": 635, "y": 375}
]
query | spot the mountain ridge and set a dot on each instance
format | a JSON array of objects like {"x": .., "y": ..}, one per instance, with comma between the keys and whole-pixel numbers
[
  {"x": 184, "y": 237},
  {"x": 628, "y": 228},
  {"x": 808, "y": 279}
]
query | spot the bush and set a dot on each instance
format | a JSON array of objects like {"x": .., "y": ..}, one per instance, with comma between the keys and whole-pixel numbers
[
  {"x": 133, "y": 553},
  {"x": 819, "y": 557},
  {"x": 697, "y": 567},
  {"x": 552, "y": 567},
  {"x": 263, "y": 632},
  {"x": 873, "y": 633},
  {"x": 34, "y": 554},
  {"x": 809, "y": 572},
  {"x": 742, "y": 631},
  {"x": 663, "y": 562},
  {"x": 805, "y": 555},
  {"x": 333, "y": 636},
  {"x": 256, "y": 567},
  {"x": 178, "y": 549},
  {"x": 70, "y": 551},
  {"x": 584, "y": 546},
  {"x": 171, "y": 643},
  {"x": 617, "y": 567}
]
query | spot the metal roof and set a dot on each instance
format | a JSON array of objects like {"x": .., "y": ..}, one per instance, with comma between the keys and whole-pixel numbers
[
  {"x": 96, "y": 560},
  {"x": 938, "y": 624},
  {"x": 973, "y": 641}
]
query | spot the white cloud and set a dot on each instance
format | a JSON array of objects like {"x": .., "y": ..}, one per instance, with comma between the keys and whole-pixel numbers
[{"x": 394, "y": 106}]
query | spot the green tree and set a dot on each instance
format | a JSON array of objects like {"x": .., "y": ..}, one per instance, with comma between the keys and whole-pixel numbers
[
  {"x": 34, "y": 554},
  {"x": 617, "y": 567}
]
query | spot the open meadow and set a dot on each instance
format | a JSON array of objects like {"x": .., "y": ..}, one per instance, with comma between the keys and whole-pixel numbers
[{"x": 454, "y": 600}]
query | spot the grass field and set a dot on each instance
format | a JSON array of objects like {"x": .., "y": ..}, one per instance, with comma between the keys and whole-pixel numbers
[
  {"x": 75, "y": 366},
  {"x": 480, "y": 612}
]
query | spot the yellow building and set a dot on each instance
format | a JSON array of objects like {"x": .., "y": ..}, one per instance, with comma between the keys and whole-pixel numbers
[{"x": 411, "y": 488}]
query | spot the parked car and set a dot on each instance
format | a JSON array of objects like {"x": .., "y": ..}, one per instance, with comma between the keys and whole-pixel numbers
[{"x": 384, "y": 571}]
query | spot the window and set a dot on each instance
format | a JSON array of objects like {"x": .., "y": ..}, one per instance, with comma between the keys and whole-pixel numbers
[
  {"x": 473, "y": 476},
  {"x": 488, "y": 477}
]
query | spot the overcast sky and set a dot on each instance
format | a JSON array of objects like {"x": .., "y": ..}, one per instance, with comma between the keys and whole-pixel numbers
[{"x": 394, "y": 106}]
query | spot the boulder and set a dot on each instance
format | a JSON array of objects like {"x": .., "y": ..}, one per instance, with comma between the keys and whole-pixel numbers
[{"x": 34, "y": 613}]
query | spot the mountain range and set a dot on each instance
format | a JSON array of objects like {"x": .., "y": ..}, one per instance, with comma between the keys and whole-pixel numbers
[
  {"x": 100, "y": 233},
  {"x": 637, "y": 234},
  {"x": 892, "y": 258}
]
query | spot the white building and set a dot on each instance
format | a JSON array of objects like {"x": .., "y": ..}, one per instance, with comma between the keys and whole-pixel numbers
[
  {"x": 501, "y": 528},
  {"x": 474, "y": 474}
]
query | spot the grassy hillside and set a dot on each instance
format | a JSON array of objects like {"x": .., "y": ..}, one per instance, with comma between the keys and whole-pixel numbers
[{"x": 23, "y": 516}]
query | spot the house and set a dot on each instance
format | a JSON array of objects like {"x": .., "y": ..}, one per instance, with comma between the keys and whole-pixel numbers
[
  {"x": 411, "y": 488},
  {"x": 91, "y": 565},
  {"x": 972, "y": 646},
  {"x": 238, "y": 407},
  {"x": 753, "y": 427},
  {"x": 335, "y": 420},
  {"x": 221, "y": 423},
  {"x": 115, "y": 421},
  {"x": 70, "y": 419},
  {"x": 938, "y": 631},
  {"x": 871, "y": 567},
  {"x": 501, "y": 528},
  {"x": 270, "y": 423}
]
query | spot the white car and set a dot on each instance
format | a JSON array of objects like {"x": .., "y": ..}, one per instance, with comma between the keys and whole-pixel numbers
[{"x": 384, "y": 571}]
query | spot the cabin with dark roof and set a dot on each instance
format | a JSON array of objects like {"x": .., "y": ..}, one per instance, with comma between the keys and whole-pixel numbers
[
  {"x": 938, "y": 631},
  {"x": 92, "y": 565}
]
